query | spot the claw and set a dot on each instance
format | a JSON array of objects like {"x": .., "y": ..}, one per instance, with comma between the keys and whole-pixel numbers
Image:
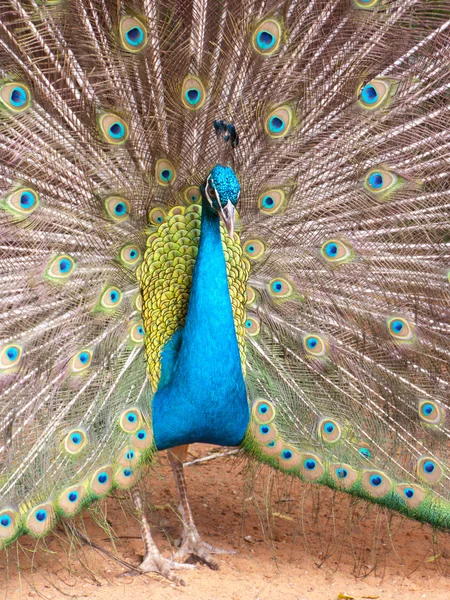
[
  {"x": 195, "y": 549},
  {"x": 155, "y": 563}
]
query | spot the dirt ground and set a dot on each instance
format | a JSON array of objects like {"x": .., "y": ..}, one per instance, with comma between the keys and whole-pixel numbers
[{"x": 292, "y": 541}]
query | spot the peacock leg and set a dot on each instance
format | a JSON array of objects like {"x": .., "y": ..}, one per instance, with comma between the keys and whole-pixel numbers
[
  {"x": 191, "y": 543},
  {"x": 153, "y": 561}
]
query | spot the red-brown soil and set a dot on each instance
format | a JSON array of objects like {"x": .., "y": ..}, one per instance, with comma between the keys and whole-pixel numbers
[{"x": 293, "y": 542}]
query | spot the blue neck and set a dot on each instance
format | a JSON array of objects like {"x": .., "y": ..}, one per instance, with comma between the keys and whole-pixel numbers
[{"x": 202, "y": 396}]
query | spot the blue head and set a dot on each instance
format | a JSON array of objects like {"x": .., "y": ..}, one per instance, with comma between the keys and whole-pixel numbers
[{"x": 222, "y": 192}]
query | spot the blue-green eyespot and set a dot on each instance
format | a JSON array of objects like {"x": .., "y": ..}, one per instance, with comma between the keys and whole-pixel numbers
[{"x": 133, "y": 34}]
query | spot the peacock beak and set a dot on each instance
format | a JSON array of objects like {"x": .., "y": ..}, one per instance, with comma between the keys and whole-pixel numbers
[{"x": 227, "y": 214}]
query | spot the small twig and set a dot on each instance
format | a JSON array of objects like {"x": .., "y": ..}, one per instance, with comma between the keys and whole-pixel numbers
[
  {"x": 83, "y": 538},
  {"x": 210, "y": 457}
]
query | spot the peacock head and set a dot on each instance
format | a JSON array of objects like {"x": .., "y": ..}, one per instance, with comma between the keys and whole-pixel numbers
[{"x": 222, "y": 191}]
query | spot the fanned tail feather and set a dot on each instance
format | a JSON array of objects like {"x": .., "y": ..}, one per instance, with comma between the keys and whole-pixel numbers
[{"x": 341, "y": 109}]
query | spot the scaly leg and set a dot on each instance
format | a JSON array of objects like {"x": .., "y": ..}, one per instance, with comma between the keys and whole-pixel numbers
[
  {"x": 191, "y": 543},
  {"x": 153, "y": 561}
]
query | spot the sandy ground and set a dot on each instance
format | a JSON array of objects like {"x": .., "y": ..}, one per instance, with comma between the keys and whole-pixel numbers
[{"x": 293, "y": 541}]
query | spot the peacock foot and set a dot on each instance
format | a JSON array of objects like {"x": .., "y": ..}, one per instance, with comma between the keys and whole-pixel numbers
[
  {"x": 155, "y": 563},
  {"x": 193, "y": 547}
]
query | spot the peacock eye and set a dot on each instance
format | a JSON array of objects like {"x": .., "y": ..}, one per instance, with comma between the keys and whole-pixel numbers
[
  {"x": 380, "y": 183},
  {"x": 193, "y": 93},
  {"x": 111, "y": 298},
  {"x": 374, "y": 94},
  {"x": 278, "y": 123},
  {"x": 165, "y": 172},
  {"x": 192, "y": 194},
  {"x": 23, "y": 201},
  {"x": 315, "y": 345},
  {"x": 252, "y": 325},
  {"x": 430, "y": 412},
  {"x": 330, "y": 431},
  {"x": 80, "y": 361},
  {"x": 156, "y": 216},
  {"x": 429, "y": 470},
  {"x": 75, "y": 441},
  {"x": 133, "y": 34},
  {"x": 271, "y": 201},
  {"x": 131, "y": 420},
  {"x": 400, "y": 329},
  {"x": 117, "y": 208},
  {"x": 280, "y": 288},
  {"x": 15, "y": 97},
  {"x": 10, "y": 356},
  {"x": 113, "y": 128},
  {"x": 335, "y": 251},
  {"x": 266, "y": 38},
  {"x": 60, "y": 268},
  {"x": 211, "y": 191}
]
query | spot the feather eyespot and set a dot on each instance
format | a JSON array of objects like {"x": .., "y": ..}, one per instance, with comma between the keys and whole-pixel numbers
[
  {"x": 23, "y": 201},
  {"x": 165, "y": 172},
  {"x": 289, "y": 458},
  {"x": 429, "y": 470},
  {"x": 156, "y": 216},
  {"x": 280, "y": 288},
  {"x": 252, "y": 325},
  {"x": 315, "y": 345},
  {"x": 330, "y": 431},
  {"x": 131, "y": 420},
  {"x": 133, "y": 34},
  {"x": 380, "y": 183},
  {"x": 374, "y": 94},
  {"x": 278, "y": 123},
  {"x": 80, "y": 361},
  {"x": 336, "y": 252},
  {"x": 377, "y": 484},
  {"x": 60, "y": 268},
  {"x": 250, "y": 295},
  {"x": 128, "y": 457},
  {"x": 130, "y": 255},
  {"x": 271, "y": 201},
  {"x": 366, "y": 4},
  {"x": 193, "y": 93},
  {"x": 431, "y": 412},
  {"x": 254, "y": 249},
  {"x": 102, "y": 481},
  {"x": 267, "y": 37},
  {"x": 10, "y": 356},
  {"x": 311, "y": 467},
  {"x": 117, "y": 208},
  {"x": 142, "y": 438},
  {"x": 71, "y": 500},
  {"x": 41, "y": 519},
  {"x": 344, "y": 475},
  {"x": 113, "y": 128},
  {"x": 400, "y": 329},
  {"x": 365, "y": 452},
  {"x": 412, "y": 495},
  {"x": 264, "y": 432},
  {"x": 192, "y": 194},
  {"x": 16, "y": 97},
  {"x": 111, "y": 298},
  {"x": 138, "y": 302},
  {"x": 125, "y": 477},
  {"x": 8, "y": 526},
  {"x": 75, "y": 441},
  {"x": 137, "y": 332},
  {"x": 263, "y": 411}
]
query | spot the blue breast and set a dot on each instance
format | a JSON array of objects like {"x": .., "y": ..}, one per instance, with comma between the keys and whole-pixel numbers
[{"x": 202, "y": 395}]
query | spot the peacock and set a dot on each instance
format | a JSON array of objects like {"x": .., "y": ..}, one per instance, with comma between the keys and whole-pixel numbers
[{"x": 223, "y": 221}]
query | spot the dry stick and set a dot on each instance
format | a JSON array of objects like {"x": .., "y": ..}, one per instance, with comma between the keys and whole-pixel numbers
[{"x": 210, "y": 457}]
